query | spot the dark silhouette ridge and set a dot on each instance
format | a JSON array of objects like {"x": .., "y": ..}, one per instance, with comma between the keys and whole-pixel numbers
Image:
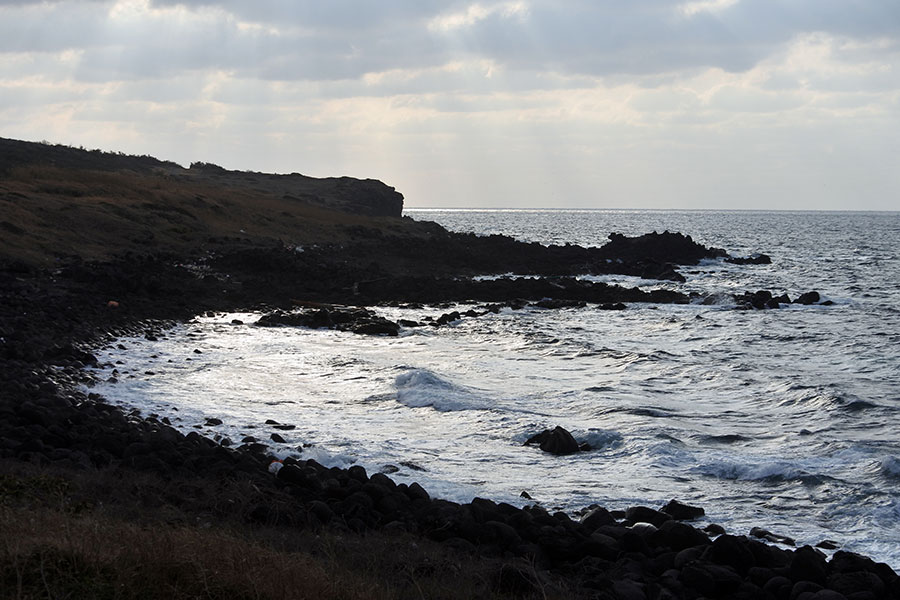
[{"x": 358, "y": 196}]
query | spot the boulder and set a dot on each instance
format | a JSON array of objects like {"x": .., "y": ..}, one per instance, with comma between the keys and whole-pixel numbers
[
  {"x": 449, "y": 317},
  {"x": 733, "y": 551},
  {"x": 644, "y": 514},
  {"x": 682, "y": 512},
  {"x": 808, "y": 298},
  {"x": 808, "y": 564},
  {"x": 596, "y": 518},
  {"x": 556, "y": 441},
  {"x": 760, "y": 299}
]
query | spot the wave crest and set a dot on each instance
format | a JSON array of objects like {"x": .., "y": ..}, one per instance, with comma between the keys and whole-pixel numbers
[
  {"x": 767, "y": 472},
  {"x": 420, "y": 388}
]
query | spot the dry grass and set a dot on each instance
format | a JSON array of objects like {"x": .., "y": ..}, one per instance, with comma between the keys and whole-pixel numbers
[
  {"x": 55, "y": 555},
  {"x": 58, "y": 542}
]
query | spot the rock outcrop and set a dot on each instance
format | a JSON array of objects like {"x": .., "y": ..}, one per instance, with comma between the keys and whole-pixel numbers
[{"x": 342, "y": 318}]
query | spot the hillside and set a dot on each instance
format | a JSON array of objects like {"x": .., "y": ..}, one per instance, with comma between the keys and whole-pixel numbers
[{"x": 58, "y": 202}]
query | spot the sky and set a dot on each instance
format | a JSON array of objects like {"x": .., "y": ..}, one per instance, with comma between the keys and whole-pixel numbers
[{"x": 735, "y": 104}]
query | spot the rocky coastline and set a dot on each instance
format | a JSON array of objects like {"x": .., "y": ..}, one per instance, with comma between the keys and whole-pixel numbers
[{"x": 56, "y": 310}]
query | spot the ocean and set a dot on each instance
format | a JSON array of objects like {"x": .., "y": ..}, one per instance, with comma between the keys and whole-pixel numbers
[{"x": 784, "y": 419}]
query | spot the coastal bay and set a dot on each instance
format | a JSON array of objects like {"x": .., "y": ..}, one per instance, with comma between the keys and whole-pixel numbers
[{"x": 63, "y": 303}]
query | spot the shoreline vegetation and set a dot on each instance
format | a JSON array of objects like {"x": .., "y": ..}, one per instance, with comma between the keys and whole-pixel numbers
[{"x": 102, "y": 503}]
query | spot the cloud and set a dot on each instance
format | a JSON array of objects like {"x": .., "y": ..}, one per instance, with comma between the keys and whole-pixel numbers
[
  {"x": 348, "y": 40},
  {"x": 474, "y": 13},
  {"x": 644, "y": 102},
  {"x": 712, "y": 6}
]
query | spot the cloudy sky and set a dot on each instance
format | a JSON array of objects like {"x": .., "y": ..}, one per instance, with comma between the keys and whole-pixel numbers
[{"x": 527, "y": 103}]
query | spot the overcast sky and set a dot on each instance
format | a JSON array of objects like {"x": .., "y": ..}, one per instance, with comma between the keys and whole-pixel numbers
[{"x": 530, "y": 103}]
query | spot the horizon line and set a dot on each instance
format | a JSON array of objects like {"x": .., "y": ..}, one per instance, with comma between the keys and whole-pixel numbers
[{"x": 646, "y": 209}]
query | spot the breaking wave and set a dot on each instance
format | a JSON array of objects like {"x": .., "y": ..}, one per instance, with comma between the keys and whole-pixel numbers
[{"x": 420, "y": 388}]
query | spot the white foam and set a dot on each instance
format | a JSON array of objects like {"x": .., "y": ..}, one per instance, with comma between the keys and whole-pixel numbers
[
  {"x": 512, "y": 276},
  {"x": 711, "y": 262},
  {"x": 509, "y": 275},
  {"x": 598, "y": 438},
  {"x": 327, "y": 458},
  {"x": 716, "y": 299}
]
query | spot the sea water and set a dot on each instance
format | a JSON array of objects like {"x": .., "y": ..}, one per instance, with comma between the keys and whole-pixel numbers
[{"x": 785, "y": 419}]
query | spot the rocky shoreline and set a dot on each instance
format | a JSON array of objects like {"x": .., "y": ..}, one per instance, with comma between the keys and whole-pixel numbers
[
  {"x": 51, "y": 322},
  {"x": 53, "y": 317}
]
